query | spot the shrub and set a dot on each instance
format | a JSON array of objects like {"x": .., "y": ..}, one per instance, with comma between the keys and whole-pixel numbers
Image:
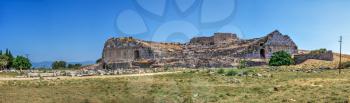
[
  {"x": 242, "y": 64},
  {"x": 221, "y": 71},
  {"x": 231, "y": 72},
  {"x": 319, "y": 51},
  {"x": 345, "y": 64},
  {"x": 280, "y": 58},
  {"x": 248, "y": 72}
]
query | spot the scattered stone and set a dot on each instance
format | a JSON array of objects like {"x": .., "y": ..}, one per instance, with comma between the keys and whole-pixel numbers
[
  {"x": 233, "y": 80},
  {"x": 259, "y": 75},
  {"x": 325, "y": 68}
]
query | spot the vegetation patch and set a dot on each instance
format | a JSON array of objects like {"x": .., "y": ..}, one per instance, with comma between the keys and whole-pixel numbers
[{"x": 280, "y": 58}]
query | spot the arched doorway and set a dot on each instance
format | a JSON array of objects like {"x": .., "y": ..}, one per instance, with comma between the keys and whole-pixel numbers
[
  {"x": 136, "y": 54},
  {"x": 262, "y": 53}
]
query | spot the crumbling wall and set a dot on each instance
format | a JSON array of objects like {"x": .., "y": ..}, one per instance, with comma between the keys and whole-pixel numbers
[
  {"x": 319, "y": 56},
  {"x": 224, "y": 38},
  {"x": 219, "y": 50},
  {"x": 273, "y": 42},
  {"x": 120, "y": 50},
  {"x": 278, "y": 42},
  {"x": 202, "y": 41}
]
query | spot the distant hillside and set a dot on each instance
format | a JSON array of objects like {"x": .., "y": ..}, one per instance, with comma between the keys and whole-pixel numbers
[{"x": 47, "y": 64}]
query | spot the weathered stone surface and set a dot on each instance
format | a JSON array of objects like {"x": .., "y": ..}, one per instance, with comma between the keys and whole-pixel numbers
[
  {"x": 219, "y": 50},
  {"x": 319, "y": 56}
]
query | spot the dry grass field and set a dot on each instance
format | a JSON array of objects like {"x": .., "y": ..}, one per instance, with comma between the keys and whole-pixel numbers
[
  {"x": 189, "y": 86},
  {"x": 257, "y": 85}
]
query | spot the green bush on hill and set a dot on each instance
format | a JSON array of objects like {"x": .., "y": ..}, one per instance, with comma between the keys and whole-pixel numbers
[
  {"x": 281, "y": 58},
  {"x": 242, "y": 64},
  {"x": 231, "y": 72},
  {"x": 345, "y": 64},
  {"x": 319, "y": 51},
  {"x": 221, "y": 71}
]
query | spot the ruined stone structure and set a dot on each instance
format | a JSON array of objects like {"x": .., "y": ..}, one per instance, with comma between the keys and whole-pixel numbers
[
  {"x": 219, "y": 50},
  {"x": 300, "y": 58}
]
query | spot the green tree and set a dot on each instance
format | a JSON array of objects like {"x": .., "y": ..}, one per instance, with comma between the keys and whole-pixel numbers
[
  {"x": 70, "y": 66},
  {"x": 98, "y": 60},
  {"x": 59, "y": 64},
  {"x": 4, "y": 60},
  {"x": 281, "y": 58},
  {"x": 74, "y": 66},
  {"x": 21, "y": 62},
  {"x": 11, "y": 58}
]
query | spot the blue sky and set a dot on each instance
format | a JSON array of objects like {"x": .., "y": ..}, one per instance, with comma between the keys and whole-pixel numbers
[{"x": 75, "y": 30}]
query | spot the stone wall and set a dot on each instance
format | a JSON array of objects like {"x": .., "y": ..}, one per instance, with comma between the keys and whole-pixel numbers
[
  {"x": 202, "y": 41},
  {"x": 217, "y": 38},
  {"x": 120, "y": 50},
  {"x": 278, "y": 42},
  {"x": 273, "y": 42},
  {"x": 319, "y": 56},
  {"x": 219, "y": 50},
  {"x": 224, "y": 38}
]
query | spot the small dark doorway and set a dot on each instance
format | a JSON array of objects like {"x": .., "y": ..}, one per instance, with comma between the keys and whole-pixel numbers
[
  {"x": 262, "y": 53},
  {"x": 137, "y": 54}
]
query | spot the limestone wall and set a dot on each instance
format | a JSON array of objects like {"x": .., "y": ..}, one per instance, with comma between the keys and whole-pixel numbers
[
  {"x": 202, "y": 41},
  {"x": 224, "y": 38},
  {"x": 273, "y": 42},
  {"x": 116, "y": 50},
  {"x": 319, "y": 56},
  {"x": 219, "y": 50}
]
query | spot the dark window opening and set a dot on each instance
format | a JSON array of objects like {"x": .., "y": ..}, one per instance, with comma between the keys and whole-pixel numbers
[
  {"x": 137, "y": 54},
  {"x": 211, "y": 43},
  {"x": 262, "y": 53}
]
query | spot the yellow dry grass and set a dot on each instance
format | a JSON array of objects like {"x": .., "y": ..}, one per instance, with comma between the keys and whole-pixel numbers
[
  {"x": 185, "y": 87},
  {"x": 313, "y": 63}
]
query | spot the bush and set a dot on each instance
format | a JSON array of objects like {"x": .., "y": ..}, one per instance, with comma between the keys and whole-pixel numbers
[
  {"x": 221, "y": 71},
  {"x": 345, "y": 64},
  {"x": 248, "y": 72},
  {"x": 242, "y": 64},
  {"x": 231, "y": 72},
  {"x": 281, "y": 58},
  {"x": 319, "y": 51}
]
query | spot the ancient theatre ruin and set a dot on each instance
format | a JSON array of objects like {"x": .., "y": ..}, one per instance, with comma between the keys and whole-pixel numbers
[{"x": 219, "y": 50}]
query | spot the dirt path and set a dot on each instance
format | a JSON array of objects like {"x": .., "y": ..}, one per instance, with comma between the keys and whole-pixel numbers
[{"x": 86, "y": 77}]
